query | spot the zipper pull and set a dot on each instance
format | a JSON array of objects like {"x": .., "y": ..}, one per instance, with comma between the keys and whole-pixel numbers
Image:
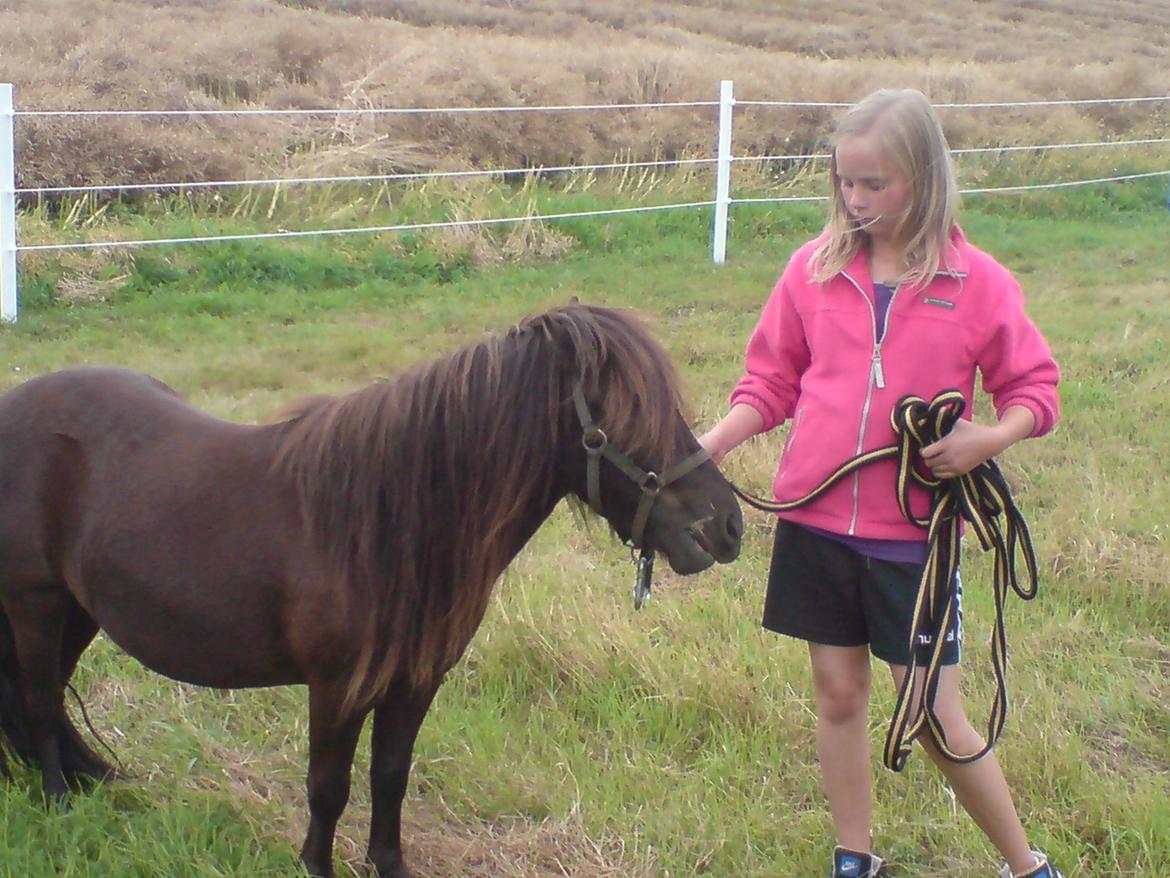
[{"x": 879, "y": 376}]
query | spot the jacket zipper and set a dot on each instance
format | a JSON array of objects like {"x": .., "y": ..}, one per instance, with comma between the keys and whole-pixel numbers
[{"x": 877, "y": 376}]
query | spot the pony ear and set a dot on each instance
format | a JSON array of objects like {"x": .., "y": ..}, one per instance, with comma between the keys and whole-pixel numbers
[{"x": 573, "y": 300}]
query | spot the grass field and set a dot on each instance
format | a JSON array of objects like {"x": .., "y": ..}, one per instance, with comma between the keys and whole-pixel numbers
[{"x": 581, "y": 738}]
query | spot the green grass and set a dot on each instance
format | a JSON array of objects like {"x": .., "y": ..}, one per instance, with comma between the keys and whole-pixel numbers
[{"x": 578, "y": 737}]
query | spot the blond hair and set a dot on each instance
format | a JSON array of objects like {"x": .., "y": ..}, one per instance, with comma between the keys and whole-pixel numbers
[{"x": 912, "y": 139}]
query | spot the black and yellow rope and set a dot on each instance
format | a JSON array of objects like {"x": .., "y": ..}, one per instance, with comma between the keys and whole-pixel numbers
[{"x": 982, "y": 497}]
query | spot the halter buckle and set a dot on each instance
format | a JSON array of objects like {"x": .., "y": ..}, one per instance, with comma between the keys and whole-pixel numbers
[
  {"x": 644, "y": 573},
  {"x": 594, "y": 439}
]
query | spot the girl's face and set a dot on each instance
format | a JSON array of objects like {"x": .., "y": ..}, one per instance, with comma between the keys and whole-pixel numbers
[{"x": 874, "y": 191}]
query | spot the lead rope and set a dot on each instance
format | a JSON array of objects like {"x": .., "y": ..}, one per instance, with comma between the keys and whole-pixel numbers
[{"x": 981, "y": 496}]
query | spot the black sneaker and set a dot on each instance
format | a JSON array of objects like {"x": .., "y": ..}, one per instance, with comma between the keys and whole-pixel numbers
[
  {"x": 1043, "y": 869},
  {"x": 855, "y": 864}
]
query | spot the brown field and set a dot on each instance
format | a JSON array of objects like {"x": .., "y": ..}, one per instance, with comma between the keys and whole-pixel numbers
[{"x": 208, "y": 54}]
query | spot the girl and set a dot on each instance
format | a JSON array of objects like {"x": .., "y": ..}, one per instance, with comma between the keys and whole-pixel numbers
[{"x": 890, "y": 300}]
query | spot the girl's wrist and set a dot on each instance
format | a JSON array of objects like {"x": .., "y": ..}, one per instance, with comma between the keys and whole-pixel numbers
[
  {"x": 1017, "y": 423},
  {"x": 738, "y": 425}
]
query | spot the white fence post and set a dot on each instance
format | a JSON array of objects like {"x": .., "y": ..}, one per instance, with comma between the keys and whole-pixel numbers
[
  {"x": 8, "y": 299},
  {"x": 722, "y": 173}
]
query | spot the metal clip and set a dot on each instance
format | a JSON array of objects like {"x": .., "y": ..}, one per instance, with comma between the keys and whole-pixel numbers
[{"x": 642, "y": 577}]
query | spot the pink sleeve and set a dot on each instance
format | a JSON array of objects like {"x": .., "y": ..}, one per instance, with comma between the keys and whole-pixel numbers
[
  {"x": 1017, "y": 364},
  {"x": 777, "y": 355}
]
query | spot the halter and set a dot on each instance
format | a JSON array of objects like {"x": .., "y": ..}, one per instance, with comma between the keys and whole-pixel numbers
[{"x": 597, "y": 446}]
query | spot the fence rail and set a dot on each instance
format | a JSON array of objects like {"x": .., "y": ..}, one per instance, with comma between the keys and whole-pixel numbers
[{"x": 723, "y": 160}]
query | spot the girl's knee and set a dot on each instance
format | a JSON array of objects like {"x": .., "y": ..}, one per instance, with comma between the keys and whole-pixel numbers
[
  {"x": 960, "y": 736},
  {"x": 842, "y": 701},
  {"x": 841, "y": 680}
]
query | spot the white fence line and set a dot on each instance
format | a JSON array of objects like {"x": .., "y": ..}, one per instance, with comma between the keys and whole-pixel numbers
[
  {"x": 723, "y": 162},
  {"x": 388, "y": 111},
  {"x": 372, "y": 111},
  {"x": 405, "y": 227},
  {"x": 536, "y": 169},
  {"x": 970, "y": 106},
  {"x": 368, "y": 178},
  {"x": 1035, "y": 187},
  {"x": 1067, "y": 183},
  {"x": 972, "y": 150},
  {"x": 309, "y": 233}
]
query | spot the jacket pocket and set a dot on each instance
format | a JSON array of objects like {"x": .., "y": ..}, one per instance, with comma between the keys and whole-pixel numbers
[{"x": 790, "y": 441}]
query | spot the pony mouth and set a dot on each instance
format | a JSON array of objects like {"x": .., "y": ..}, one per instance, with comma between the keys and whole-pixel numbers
[
  {"x": 693, "y": 548},
  {"x": 703, "y": 550},
  {"x": 695, "y": 531},
  {"x": 711, "y": 547}
]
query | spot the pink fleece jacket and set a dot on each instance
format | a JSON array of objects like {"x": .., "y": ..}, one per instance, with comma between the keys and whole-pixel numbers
[{"x": 814, "y": 359}]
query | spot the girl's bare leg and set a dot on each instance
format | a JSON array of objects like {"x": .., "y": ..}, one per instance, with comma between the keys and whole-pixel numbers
[
  {"x": 841, "y": 678},
  {"x": 979, "y": 786}
]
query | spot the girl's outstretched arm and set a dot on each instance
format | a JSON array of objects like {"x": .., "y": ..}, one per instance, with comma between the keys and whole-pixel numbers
[{"x": 739, "y": 424}]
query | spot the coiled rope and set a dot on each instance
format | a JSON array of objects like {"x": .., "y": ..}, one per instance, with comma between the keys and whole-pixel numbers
[{"x": 982, "y": 497}]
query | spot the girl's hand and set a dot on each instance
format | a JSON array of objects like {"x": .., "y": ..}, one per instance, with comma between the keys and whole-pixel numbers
[
  {"x": 710, "y": 441},
  {"x": 969, "y": 444},
  {"x": 961, "y": 450}
]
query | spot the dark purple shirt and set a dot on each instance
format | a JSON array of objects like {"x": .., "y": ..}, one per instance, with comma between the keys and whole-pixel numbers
[
  {"x": 882, "y": 294},
  {"x": 900, "y": 551}
]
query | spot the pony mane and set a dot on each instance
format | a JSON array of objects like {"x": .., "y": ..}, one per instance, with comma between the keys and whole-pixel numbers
[{"x": 417, "y": 485}]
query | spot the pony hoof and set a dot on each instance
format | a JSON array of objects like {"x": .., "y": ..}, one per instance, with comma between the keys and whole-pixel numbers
[
  {"x": 58, "y": 803},
  {"x": 318, "y": 869},
  {"x": 391, "y": 867}
]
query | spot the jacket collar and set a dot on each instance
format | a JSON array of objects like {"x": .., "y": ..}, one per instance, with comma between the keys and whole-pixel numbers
[{"x": 954, "y": 262}]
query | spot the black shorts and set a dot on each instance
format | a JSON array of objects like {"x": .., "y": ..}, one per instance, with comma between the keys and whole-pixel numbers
[{"x": 822, "y": 591}]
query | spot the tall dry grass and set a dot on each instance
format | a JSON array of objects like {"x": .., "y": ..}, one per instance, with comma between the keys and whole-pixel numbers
[{"x": 215, "y": 54}]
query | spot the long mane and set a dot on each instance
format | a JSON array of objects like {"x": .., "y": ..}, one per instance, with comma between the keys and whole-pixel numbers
[{"x": 412, "y": 485}]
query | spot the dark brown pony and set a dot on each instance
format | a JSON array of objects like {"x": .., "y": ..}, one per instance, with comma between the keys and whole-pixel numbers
[{"x": 351, "y": 547}]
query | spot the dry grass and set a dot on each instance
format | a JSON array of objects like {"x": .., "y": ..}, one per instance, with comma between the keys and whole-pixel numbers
[{"x": 212, "y": 54}]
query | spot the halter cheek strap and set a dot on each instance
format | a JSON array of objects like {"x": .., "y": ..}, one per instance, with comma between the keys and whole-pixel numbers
[{"x": 597, "y": 446}]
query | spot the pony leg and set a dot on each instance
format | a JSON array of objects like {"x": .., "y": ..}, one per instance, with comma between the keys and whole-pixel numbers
[
  {"x": 10, "y": 697},
  {"x": 396, "y": 723},
  {"x": 79, "y": 761},
  {"x": 12, "y": 718},
  {"x": 332, "y": 741},
  {"x": 38, "y": 625}
]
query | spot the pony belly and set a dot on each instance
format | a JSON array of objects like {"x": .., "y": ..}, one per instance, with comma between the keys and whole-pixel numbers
[
  {"x": 223, "y": 654},
  {"x": 216, "y": 668}
]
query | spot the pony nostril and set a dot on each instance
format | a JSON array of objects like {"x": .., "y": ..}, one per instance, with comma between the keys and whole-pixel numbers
[{"x": 734, "y": 527}]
